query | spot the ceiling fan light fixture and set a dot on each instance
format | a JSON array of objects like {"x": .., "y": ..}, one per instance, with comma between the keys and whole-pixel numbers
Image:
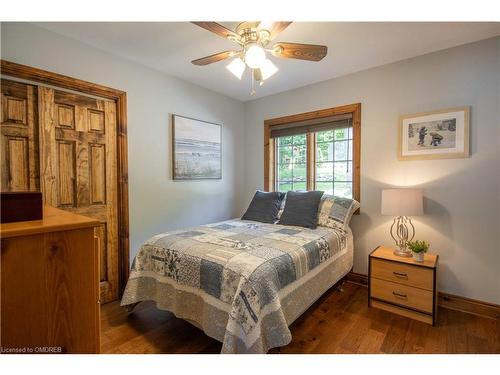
[
  {"x": 254, "y": 55},
  {"x": 237, "y": 67},
  {"x": 253, "y": 39},
  {"x": 268, "y": 69}
]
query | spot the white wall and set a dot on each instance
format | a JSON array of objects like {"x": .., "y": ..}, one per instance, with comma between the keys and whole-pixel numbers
[
  {"x": 462, "y": 195},
  {"x": 157, "y": 203}
]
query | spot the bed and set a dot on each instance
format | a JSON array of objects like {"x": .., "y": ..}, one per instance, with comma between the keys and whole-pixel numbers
[{"x": 242, "y": 282}]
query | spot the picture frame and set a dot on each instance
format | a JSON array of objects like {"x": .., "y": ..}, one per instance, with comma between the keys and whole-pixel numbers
[
  {"x": 196, "y": 149},
  {"x": 442, "y": 134}
]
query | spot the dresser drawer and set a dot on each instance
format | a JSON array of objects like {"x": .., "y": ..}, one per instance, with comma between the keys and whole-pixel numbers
[
  {"x": 403, "y": 295},
  {"x": 419, "y": 277}
]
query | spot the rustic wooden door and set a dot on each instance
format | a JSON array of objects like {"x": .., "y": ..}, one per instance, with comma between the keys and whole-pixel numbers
[
  {"x": 78, "y": 168},
  {"x": 19, "y": 137}
]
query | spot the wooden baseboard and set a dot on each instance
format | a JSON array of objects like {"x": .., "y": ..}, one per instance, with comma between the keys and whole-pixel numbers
[
  {"x": 357, "y": 278},
  {"x": 468, "y": 305},
  {"x": 446, "y": 300}
]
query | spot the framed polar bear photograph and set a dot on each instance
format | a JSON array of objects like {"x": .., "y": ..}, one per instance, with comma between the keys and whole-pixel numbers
[{"x": 442, "y": 134}]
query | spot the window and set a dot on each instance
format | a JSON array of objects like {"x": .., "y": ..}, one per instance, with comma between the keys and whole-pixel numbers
[
  {"x": 314, "y": 151},
  {"x": 333, "y": 169},
  {"x": 291, "y": 163}
]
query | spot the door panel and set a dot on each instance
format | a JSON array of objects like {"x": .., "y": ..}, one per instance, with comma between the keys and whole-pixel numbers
[
  {"x": 78, "y": 141},
  {"x": 15, "y": 110},
  {"x": 98, "y": 174},
  {"x": 19, "y": 137},
  {"x": 66, "y": 116},
  {"x": 66, "y": 167},
  {"x": 18, "y": 163}
]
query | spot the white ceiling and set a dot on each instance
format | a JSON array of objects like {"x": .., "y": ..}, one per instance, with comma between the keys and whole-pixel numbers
[{"x": 169, "y": 47}]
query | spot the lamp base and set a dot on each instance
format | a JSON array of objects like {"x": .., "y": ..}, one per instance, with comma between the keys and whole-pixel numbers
[
  {"x": 402, "y": 231},
  {"x": 403, "y": 253}
]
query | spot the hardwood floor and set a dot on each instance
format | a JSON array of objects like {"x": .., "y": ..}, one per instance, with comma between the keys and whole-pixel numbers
[{"x": 339, "y": 322}]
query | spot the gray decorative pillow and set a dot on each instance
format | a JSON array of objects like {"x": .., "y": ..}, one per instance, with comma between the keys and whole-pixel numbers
[
  {"x": 264, "y": 207},
  {"x": 301, "y": 209},
  {"x": 336, "y": 212}
]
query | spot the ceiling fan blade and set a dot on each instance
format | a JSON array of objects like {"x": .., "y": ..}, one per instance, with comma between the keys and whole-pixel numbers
[
  {"x": 278, "y": 27},
  {"x": 217, "y": 28},
  {"x": 311, "y": 52},
  {"x": 214, "y": 58}
]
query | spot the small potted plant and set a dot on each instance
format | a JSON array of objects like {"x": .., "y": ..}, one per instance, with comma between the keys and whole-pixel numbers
[{"x": 418, "y": 249}]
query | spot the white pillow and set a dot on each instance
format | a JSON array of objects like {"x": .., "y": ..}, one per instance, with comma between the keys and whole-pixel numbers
[{"x": 336, "y": 212}]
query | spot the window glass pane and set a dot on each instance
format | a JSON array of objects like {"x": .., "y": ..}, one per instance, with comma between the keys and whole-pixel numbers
[
  {"x": 299, "y": 139},
  {"x": 324, "y": 171},
  {"x": 285, "y": 172},
  {"x": 343, "y": 189},
  {"x": 299, "y": 172},
  {"x": 285, "y": 154},
  {"x": 341, "y": 134},
  {"x": 327, "y": 187},
  {"x": 299, "y": 154},
  {"x": 299, "y": 186},
  {"x": 342, "y": 171},
  {"x": 341, "y": 150},
  {"x": 284, "y": 187},
  {"x": 324, "y": 151},
  {"x": 282, "y": 141},
  {"x": 334, "y": 162},
  {"x": 291, "y": 166},
  {"x": 333, "y": 167},
  {"x": 325, "y": 136}
]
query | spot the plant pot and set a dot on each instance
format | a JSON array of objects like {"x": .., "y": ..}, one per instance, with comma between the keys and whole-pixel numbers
[{"x": 418, "y": 257}]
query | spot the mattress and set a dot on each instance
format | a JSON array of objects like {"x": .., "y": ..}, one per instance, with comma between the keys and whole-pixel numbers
[{"x": 241, "y": 282}]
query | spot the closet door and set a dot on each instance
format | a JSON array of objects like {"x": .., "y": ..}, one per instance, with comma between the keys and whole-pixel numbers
[
  {"x": 19, "y": 137},
  {"x": 78, "y": 168}
]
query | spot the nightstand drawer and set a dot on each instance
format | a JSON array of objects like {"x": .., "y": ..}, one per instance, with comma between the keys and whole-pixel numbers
[
  {"x": 415, "y": 298},
  {"x": 419, "y": 277}
]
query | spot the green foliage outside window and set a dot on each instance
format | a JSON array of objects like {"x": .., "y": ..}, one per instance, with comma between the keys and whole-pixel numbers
[{"x": 333, "y": 169}]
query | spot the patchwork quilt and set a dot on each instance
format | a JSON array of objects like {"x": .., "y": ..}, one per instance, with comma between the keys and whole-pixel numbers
[{"x": 237, "y": 267}]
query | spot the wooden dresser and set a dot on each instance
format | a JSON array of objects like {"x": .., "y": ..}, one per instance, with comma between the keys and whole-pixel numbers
[
  {"x": 50, "y": 285},
  {"x": 402, "y": 285}
]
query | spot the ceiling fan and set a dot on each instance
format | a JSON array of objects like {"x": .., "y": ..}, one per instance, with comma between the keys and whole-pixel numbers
[{"x": 254, "y": 39}]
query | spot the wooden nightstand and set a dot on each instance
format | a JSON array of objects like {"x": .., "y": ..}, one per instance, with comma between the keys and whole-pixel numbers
[{"x": 402, "y": 285}]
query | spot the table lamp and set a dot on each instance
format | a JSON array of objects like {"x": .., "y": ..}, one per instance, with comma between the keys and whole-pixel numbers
[{"x": 402, "y": 203}]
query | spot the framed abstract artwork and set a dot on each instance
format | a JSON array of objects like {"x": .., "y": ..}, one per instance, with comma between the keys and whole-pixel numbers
[
  {"x": 196, "y": 149},
  {"x": 434, "y": 135}
]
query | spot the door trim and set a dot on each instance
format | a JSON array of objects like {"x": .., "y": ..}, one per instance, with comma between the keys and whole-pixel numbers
[{"x": 16, "y": 70}]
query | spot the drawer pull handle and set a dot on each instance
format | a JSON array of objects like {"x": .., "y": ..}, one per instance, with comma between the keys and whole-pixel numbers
[
  {"x": 399, "y": 295},
  {"x": 400, "y": 274}
]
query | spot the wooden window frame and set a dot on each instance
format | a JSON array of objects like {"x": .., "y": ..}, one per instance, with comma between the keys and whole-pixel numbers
[
  {"x": 15, "y": 70},
  {"x": 270, "y": 145}
]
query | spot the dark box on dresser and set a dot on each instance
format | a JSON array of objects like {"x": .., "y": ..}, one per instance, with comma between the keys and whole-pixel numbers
[{"x": 21, "y": 206}]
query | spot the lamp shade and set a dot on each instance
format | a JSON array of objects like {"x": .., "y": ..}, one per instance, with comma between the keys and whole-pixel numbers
[
  {"x": 402, "y": 202},
  {"x": 237, "y": 67}
]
